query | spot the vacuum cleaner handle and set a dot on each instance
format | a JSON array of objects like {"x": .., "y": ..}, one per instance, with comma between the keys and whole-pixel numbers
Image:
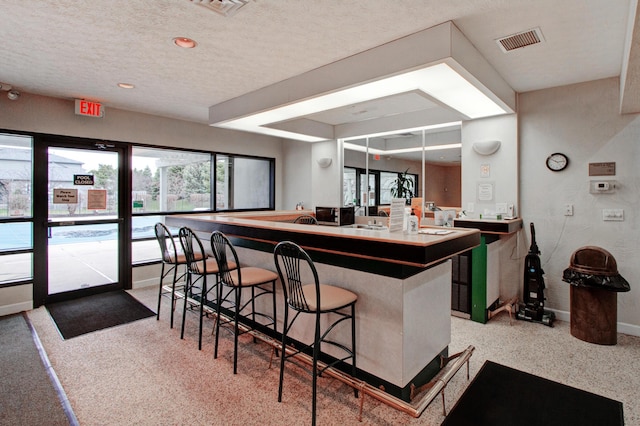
[{"x": 534, "y": 247}]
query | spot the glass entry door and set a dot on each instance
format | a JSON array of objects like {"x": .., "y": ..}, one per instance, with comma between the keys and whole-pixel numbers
[{"x": 84, "y": 220}]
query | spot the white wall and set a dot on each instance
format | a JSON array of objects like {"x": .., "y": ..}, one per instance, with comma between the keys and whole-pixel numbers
[
  {"x": 296, "y": 175},
  {"x": 325, "y": 182},
  {"x": 583, "y": 122},
  {"x": 499, "y": 169},
  {"x": 305, "y": 181}
]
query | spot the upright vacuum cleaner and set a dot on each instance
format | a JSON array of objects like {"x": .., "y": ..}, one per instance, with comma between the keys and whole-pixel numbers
[{"x": 533, "y": 294}]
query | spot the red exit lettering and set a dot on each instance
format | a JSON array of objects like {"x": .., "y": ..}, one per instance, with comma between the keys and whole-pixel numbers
[{"x": 88, "y": 108}]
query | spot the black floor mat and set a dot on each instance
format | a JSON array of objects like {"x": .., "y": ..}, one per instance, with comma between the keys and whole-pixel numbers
[
  {"x": 500, "y": 395},
  {"x": 99, "y": 311}
]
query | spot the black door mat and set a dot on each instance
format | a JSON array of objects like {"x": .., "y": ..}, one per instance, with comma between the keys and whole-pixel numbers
[
  {"x": 500, "y": 395},
  {"x": 99, "y": 311}
]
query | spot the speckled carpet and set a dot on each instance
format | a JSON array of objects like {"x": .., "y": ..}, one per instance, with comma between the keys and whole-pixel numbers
[
  {"x": 27, "y": 394},
  {"x": 142, "y": 373}
]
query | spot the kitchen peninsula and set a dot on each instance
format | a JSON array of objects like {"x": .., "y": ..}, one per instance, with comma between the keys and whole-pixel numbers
[{"x": 403, "y": 282}]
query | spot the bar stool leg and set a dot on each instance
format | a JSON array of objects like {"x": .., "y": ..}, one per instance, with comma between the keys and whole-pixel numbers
[
  {"x": 353, "y": 346},
  {"x": 173, "y": 292},
  {"x": 160, "y": 292}
]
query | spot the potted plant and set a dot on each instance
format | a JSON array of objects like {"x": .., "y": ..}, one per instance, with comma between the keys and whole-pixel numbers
[{"x": 402, "y": 187}]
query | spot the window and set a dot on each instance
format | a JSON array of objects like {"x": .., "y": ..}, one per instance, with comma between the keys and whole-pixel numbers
[
  {"x": 15, "y": 176},
  {"x": 16, "y": 241},
  {"x": 244, "y": 183},
  {"x": 165, "y": 180}
]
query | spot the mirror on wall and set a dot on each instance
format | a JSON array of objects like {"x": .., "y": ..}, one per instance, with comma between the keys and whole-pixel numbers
[{"x": 429, "y": 159}]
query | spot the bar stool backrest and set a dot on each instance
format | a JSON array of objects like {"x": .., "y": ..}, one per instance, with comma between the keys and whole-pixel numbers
[
  {"x": 290, "y": 259},
  {"x": 222, "y": 250},
  {"x": 193, "y": 251},
  {"x": 169, "y": 252},
  {"x": 306, "y": 219}
]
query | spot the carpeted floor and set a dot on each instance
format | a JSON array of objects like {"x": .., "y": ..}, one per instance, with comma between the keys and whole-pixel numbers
[
  {"x": 142, "y": 373},
  {"x": 28, "y": 396}
]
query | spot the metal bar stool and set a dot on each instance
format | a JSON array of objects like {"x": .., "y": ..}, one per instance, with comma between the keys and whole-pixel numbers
[
  {"x": 171, "y": 260},
  {"x": 315, "y": 299},
  {"x": 306, "y": 219},
  {"x": 234, "y": 279},
  {"x": 199, "y": 266}
]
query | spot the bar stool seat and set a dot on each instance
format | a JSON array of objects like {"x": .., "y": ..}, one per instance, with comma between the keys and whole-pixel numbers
[
  {"x": 331, "y": 297},
  {"x": 251, "y": 276}
]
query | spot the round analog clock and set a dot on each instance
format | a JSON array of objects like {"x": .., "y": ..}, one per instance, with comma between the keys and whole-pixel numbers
[{"x": 557, "y": 162}]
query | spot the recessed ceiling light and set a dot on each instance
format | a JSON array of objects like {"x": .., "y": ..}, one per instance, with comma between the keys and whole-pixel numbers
[
  {"x": 184, "y": 42},
  {"x": 126, "y": 85}
]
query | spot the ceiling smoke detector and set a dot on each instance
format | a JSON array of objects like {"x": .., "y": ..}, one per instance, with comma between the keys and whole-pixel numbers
[
  {"x": 520, "y": 40},
  {"x": 223, "y": 7}
]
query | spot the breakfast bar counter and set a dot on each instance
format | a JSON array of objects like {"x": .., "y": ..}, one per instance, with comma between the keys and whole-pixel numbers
[{"x": 403, "y": 283}]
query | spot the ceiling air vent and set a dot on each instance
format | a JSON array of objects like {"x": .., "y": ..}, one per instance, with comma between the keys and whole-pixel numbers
[
  {"x": 521, "y": 39},
  {"x": 223, "y": 7}
]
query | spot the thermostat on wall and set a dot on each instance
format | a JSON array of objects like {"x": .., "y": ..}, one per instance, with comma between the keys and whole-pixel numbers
[{"x": 602, "y": 186}]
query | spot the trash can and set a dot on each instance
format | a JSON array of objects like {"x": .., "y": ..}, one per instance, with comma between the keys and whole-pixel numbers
[{"x": 595, "y": 284}]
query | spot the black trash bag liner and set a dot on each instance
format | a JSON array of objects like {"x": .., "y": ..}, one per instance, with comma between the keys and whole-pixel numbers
[{"x": 607, "y": 282}]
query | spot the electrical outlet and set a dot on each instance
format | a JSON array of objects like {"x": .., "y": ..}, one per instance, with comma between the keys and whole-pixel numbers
[
  {"x": 568, "y": 209},
  {"x": 616, "y": 215}
]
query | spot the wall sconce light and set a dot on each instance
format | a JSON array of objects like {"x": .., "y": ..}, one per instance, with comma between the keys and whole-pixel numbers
[
  {"x": 13, "y": 95},
  {"x": 324, "y": 162},
  {"x": 486, "y": 148}
]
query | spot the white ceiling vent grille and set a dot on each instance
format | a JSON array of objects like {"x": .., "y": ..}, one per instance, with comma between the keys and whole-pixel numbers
[
  {"x": 520, "y": 40},
  {"x": 223, "y": 7}
]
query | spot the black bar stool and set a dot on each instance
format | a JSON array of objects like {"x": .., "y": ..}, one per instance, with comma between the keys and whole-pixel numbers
[
  {"x": 235, "y": 278},
  {"x": 171, "y": 260},
  {"x": 199, "y": 266},
  {"x": 315, "y": 299}
]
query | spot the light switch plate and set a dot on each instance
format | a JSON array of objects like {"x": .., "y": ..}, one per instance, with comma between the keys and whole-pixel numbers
[
  {"x": 501, "y": 208},
  {"x": 616, "y": 215}
]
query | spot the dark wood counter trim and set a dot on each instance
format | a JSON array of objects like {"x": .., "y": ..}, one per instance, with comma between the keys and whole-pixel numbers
[
  {"x": 490, "y": 226},
  {"x": 388, "y": 258}
]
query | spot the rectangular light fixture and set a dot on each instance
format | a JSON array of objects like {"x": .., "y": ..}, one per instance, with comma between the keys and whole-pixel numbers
[{"x": 438, "y": 81}]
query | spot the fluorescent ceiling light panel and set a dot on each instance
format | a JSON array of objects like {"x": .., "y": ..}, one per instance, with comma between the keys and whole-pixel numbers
[
  {"x": 439, "y": 81},
  {"x": 453, "y": 124},
  {"x": 360, "y": 148},
  {"x": 450, "y": 88}
]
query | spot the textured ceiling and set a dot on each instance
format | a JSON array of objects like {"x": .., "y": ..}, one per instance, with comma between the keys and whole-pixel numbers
[{"x": 82, "y": 49}]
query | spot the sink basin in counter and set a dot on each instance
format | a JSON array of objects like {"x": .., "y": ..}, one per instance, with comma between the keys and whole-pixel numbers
[{"x": 363, "y": 226}]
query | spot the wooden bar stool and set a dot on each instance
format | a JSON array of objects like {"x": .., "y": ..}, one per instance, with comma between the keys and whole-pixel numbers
[{"x": 315, "y": 299}]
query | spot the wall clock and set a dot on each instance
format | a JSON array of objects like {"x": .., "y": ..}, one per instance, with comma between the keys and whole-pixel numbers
[{"x": 557, "y": 162}]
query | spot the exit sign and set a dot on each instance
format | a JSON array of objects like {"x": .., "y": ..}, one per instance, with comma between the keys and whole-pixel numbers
[{"x": 89, "y": 109}]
